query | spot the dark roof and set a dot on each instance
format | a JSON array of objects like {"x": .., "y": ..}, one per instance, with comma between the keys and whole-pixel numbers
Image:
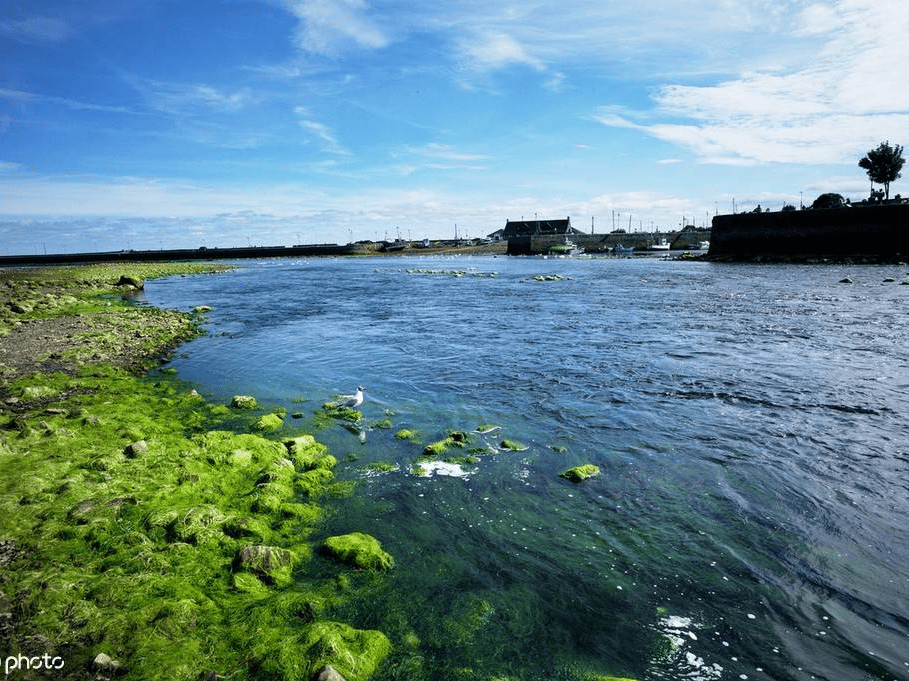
[{"x": 529, "y": 227}]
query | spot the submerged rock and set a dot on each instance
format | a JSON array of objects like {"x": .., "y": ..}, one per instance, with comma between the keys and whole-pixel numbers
[
  {"x": 579, "y": 473},
  {"x": 359, "y": 550}
]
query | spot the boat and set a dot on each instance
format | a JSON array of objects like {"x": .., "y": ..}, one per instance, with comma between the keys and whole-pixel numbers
[
  {"x": 623, "y": 250},
  {"x": 661, "y": 245},
  {"x": 567, "y": 248}
]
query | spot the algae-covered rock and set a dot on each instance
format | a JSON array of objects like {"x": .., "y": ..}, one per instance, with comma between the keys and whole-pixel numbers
[
  {"x": 247, "y": 528},
  {"x": 358, "y": 549},
  {"x": 407, "y": 434},
  {"x": 244, "y": 402},
  {"x": 353, "y": 653},
  {"x": 133, "y": 450},
  {"x": 304, "y": 451},
  {"x": 512, "y": 445},
  {"x": 132, "y": 281},
  {"x": 268, "y": 423},
  {"x": 579, "y": 473},
  {"x": 271, "y": 563}
]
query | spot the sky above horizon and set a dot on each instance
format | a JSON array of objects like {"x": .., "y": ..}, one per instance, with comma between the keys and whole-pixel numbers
[{"x": 161, "y": 123}]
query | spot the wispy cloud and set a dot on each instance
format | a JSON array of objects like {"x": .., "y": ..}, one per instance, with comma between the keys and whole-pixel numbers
[
  {"x": 822, "y": 111},
  {"x": 328, "y": 27},
  {"x": 37, "y": 29},
  {"x": 182, "y": 98},
  {"x": 436, "y": 156},
  {"x": 321, "y": 132},
  {"x": 21, "y": 97}
]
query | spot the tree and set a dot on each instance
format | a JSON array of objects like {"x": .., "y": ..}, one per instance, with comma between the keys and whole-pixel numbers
[
  {"x": 830, "y": 200},
  {"x": 884, "y": 164}
]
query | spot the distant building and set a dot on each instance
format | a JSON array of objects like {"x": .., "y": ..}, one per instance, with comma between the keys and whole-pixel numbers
[{"x": 518, "y": 228}]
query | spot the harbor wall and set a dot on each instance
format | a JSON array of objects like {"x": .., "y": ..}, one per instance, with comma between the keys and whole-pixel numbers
[
  {"x": 537, "y": 244},
  {"x": 879, "y": 232}
]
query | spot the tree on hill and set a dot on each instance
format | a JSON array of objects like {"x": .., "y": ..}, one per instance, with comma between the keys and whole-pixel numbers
[
  {"x": 884, "y": 164},
  {"x": 830, "y": 200}
]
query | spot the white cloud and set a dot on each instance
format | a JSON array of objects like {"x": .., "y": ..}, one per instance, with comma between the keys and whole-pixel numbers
[
  {"x": 329, "y": 26},
  {"x": 847, "y": 97},
  {"x": 498, "y": 50}
]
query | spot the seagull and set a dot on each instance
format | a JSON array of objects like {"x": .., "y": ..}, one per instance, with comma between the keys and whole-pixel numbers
[{"x": 352, "y": 401}]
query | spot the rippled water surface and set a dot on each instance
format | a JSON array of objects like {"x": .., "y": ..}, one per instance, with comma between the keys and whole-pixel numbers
[{"x": 749, "y": 422}]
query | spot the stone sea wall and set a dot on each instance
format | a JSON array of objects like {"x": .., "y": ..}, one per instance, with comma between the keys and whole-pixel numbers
[{"x": 867, "y": 232}]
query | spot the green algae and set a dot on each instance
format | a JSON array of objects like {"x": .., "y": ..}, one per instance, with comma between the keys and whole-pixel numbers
[
  {"x": 180, "y": 558},
  {"x": 407, "y": 434},
  {"x": 268, "y": 423},
  {"x": 579, "y": 473},
  {"x": 512, "y": 445},
  {"x": 359, "y": 550},
  {"x": 354, "y": 653}
]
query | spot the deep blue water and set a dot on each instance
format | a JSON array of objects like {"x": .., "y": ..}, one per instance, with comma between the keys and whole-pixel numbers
[{"x": 750, "y": 424}]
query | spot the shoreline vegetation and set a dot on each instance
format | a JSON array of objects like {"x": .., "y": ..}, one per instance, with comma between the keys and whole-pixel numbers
[{"x": 148, "y": 534}]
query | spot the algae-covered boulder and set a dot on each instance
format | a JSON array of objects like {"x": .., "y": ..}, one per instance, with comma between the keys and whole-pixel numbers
[
  {"x": 135, "y": 449},
  {"x": 354, "y": 653},
  {"x": 244, "y": 402},
  {"x": 304, "y": 451},
  {"x": 131, "y": 281},
  {"x": 358, "y": 549},
  {"x": 271, "y": 563},
  {"x": 268, "y": 423},
  {"x": 512, "y": 445},
  {"x": 579, "y": 473}
]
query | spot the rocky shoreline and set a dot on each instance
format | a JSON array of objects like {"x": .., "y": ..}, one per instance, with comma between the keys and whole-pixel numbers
[{"x": 148, "y": 534}]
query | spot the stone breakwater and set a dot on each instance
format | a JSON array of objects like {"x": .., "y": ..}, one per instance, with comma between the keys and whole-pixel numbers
[{"x": 146, "y": 533}]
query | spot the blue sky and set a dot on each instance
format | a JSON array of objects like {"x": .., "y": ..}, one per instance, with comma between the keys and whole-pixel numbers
[{"x": 164, "y": 123}]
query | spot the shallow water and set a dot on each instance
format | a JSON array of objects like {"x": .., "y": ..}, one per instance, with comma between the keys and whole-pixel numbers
[{"x": 749, "y": 423}]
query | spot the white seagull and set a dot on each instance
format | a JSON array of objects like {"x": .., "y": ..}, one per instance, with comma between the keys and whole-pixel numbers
[{"x": 352, "y": 401}]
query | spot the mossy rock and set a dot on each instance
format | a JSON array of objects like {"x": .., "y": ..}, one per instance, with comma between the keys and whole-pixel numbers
[
  {"x": 354, "y": 653},
  {"x": 304, "y": 451},
  {"x": 579, "y": 473},
  {"x": 359, "y": 550},
  {"x": 268, "y": 423},
  {"x": 512, "y": 445},
  {"x": 407, "y": 434},
  {"x": 244, "y": 402},
  {"x": 247, "y": 528},
  {"x": 271, "y": 563}
]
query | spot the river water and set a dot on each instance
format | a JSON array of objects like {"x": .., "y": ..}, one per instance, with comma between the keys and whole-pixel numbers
[{"x": 749, "y": 422}]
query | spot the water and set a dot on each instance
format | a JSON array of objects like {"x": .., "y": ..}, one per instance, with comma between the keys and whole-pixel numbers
[{"x": 749, "y": 422}]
